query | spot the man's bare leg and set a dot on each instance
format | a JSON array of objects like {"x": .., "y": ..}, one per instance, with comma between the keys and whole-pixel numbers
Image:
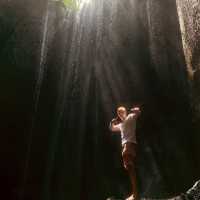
[
  {"x": 132, "y": 175},
  {"x": 129, "y": 159}
]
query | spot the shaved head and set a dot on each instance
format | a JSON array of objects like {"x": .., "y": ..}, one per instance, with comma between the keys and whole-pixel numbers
[{"x": 121, "y": 112}]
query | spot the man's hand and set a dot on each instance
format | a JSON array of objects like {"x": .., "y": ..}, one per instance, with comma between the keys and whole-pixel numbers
[
  {"x": 114, "y": 125},
  {"x": 115, "y": 121},
  {"x": 136, "y": 110}
]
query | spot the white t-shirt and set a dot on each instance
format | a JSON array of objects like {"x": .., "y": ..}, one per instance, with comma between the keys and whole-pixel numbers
[{"x": 128, "y": 129}]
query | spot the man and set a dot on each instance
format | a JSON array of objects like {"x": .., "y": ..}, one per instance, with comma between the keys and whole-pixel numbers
[{"x": 126, "y": 124}]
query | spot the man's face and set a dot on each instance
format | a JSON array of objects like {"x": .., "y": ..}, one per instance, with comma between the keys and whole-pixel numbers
[{"x": 122, "y": 114}]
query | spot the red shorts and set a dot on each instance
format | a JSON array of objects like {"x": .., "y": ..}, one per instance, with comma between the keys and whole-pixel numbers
[{"x": 129, "y": 155}]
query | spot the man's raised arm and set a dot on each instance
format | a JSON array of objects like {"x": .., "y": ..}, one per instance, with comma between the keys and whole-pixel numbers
[{"x": 136, "y": 111}]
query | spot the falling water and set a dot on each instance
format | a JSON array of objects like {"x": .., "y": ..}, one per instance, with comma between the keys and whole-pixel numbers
[
  {"x": 100, "y": 56},
  {"x": 38, "y": 85},
  {"x": 94, "y": 50}
]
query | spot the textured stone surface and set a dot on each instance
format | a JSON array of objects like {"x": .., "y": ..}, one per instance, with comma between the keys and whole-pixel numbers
[
  {"x": 189, "y": 13},
  {"x": 189, "y": 16},
  {"x": 192, "y": 194}
]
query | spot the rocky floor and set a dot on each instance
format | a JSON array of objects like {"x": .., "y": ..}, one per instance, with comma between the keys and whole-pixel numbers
[
  {"x": 175, "y": 198},
  {"x": 192, "y": 194}
]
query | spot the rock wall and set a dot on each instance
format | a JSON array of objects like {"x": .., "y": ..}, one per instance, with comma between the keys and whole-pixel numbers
[
  {"x": 189, "y": 17},
  {"x": 189, "y": 21}
]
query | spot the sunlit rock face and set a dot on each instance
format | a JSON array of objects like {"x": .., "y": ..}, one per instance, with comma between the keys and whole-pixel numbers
[
  {"x": 189, "y": 17},
  {"x": 189, "y": 21}
]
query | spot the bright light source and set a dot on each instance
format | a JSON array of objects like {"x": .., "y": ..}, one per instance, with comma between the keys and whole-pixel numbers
[{"x": 82, "y": 2}]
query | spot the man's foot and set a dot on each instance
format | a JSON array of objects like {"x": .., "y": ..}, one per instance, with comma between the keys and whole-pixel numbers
[{"x": 131, "y": 198}]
